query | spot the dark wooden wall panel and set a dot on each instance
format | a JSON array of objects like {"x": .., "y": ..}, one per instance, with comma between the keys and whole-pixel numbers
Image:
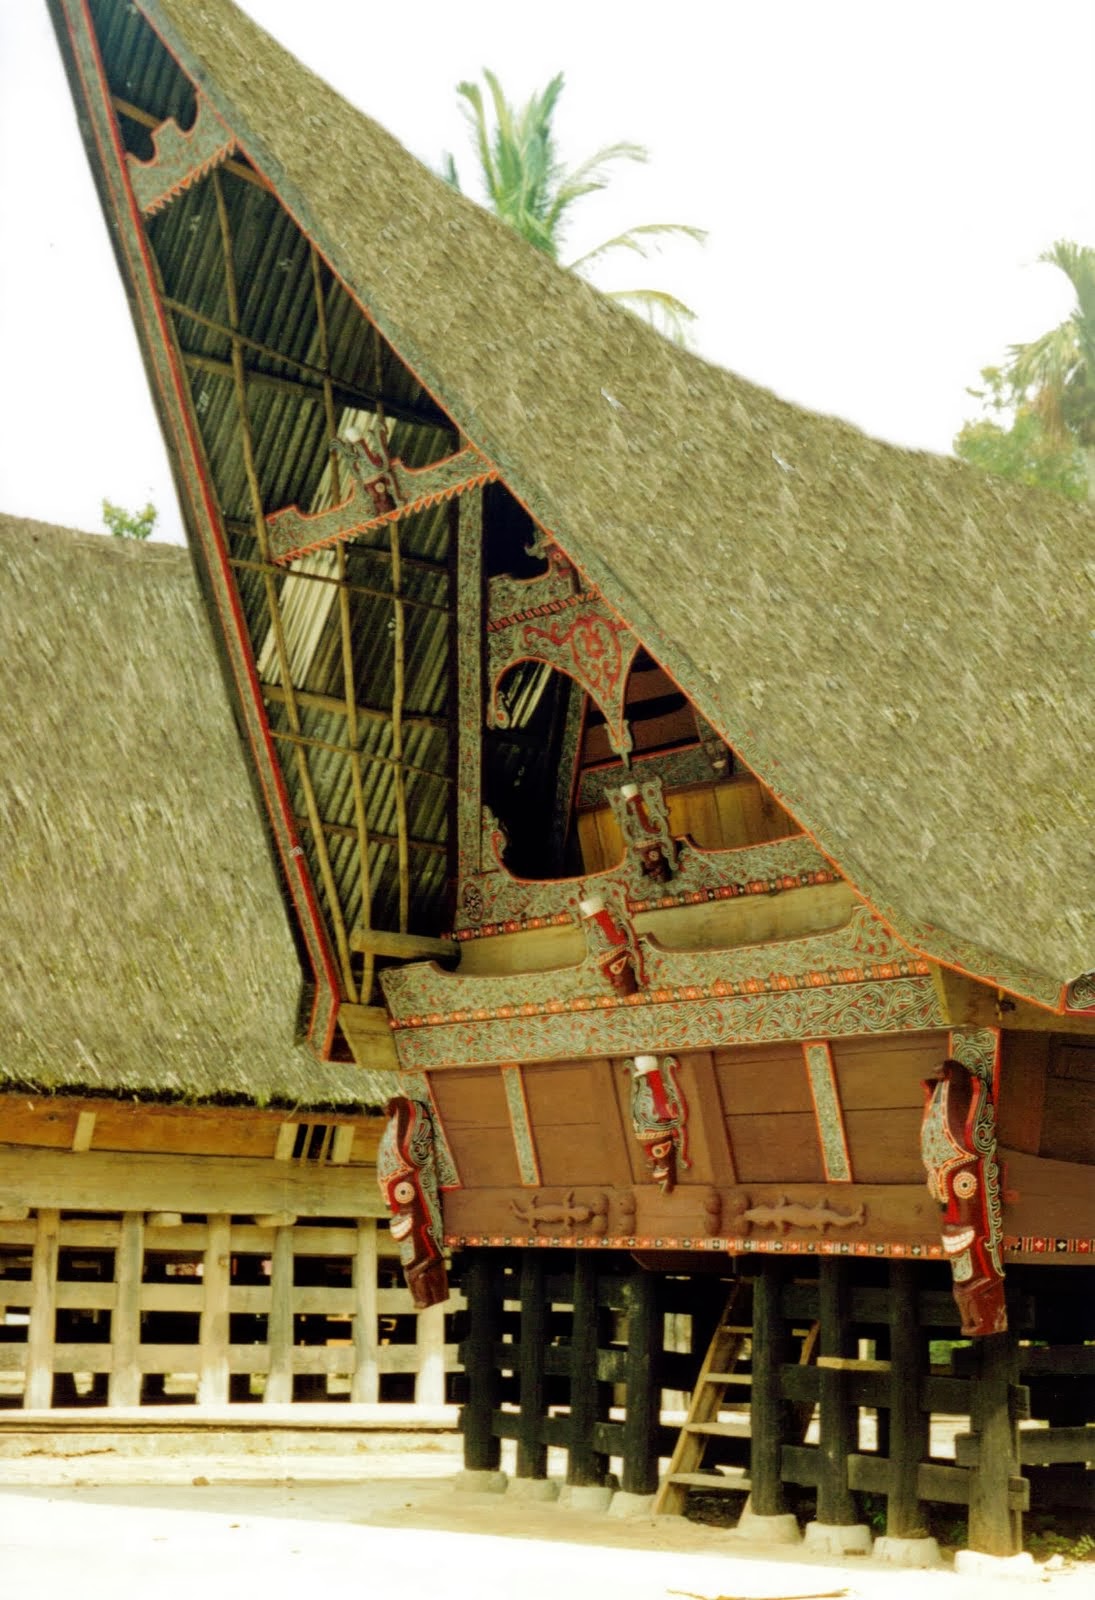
[
  {"x": 884, "y": 1146},
  {"x": 1023, "y": 1067},
  {"x": 886, "y": 1071},
  {"x": 775, "y": 1148},
  {"x": 1068, "y": 1122},
  {"x": 472, "y": 1104},
  {"x": 761, "y": 1080}
]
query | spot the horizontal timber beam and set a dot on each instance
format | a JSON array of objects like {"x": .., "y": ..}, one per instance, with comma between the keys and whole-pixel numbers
[
  {"x": 436, "y": 569},
  {"x": 405, "y": 946},
  {"x": 342, "y": 830},
  {"x": 357, "y": 588},
  {"x": 307, "y": 742},
  {"x": 310, "y": 383},
  {"x": 104, "y": 1180},
  {"x": 337, "y": 707}
]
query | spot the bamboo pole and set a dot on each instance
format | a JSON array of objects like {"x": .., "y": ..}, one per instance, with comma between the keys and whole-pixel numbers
[
  {"x": 309, "y": 741},
  {"x": 300, "y": 575},
  {"x": 364, "y": 713},
  {"x": 346, "y": 635},
  {"x": 272, "y": 601},
  {"x": 340, "y": 830},
  {"x": 435, "y": 569}
]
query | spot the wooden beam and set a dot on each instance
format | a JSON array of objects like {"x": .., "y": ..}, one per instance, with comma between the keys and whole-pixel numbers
[
  {"x": 340, "y": 708},
  {"x": 434, "y": 569},
  {"x": 85, "y": 1130},
  {"x": 365, "y": 1385},
  {"x": 404, "y": 946},
  {"x": 306, "y": 741},
  {"x": 125, "y": 1319},
  {"x": 369, "y": 1036},
  {"x": 241, "y": 1184},
  {"x": 213, "y": 1336},
  {"x": 279, "y": 1327},
  {"x": 304, "y": 575},
  {"x": 38, "y": 1393},
  {"x": 310, "y": 386},
  {"x": 341, "y": 830}
]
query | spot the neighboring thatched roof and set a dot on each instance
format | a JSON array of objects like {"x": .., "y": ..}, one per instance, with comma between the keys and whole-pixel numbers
[
  {"x": 146, "y": 946},
  {"x": 895, "y": 643}
]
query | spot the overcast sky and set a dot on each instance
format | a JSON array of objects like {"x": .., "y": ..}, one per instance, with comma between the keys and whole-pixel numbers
[{"x": 877, "y": 178}]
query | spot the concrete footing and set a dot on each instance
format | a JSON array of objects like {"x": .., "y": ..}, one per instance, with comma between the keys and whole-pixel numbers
[
  {"x": 781, "y": 1529},
  {"x": 533, "y": 1489},
  {"x": 480, "y": 1482},
  {"x": 907, "y": 1552},
  {"x": 974, "y": 1563},
  {"x": 625, "y": 1504},
  {"x": 838, "y": 1539},
  {"x": 586, "y": 1496}
]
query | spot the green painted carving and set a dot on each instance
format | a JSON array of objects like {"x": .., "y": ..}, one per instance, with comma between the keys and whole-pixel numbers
[
  {"x": 641, "y": 1025},
  {"x": 527, "y": 1162},
  {"x": 978, "y": 1051},
  {"x": 180, "y": 159},
  {"x": 493, "y": 901},
  {"x": 830, "y": 1115},
  {"x": 383, "y": 490},
  {"x": 469, "y": 702},
  {"x": 511, "y": 601},
  {"x": 416, "y": 1086},
  {"x": 675, "y": 770}
]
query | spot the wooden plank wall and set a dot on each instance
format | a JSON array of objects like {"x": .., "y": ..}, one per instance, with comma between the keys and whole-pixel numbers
[{"x": 126, "y": 1308}]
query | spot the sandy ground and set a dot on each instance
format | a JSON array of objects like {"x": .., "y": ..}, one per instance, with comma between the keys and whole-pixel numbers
[{"x": 407, "y": 1532}]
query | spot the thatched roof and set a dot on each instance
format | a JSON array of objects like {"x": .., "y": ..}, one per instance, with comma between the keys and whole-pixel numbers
[
  {"x": 894, "y": 642},
  {"x": 146, "y": 947}
]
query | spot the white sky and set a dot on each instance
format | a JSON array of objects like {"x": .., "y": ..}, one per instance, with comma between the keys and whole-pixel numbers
[{"x": 878, "y": 178}]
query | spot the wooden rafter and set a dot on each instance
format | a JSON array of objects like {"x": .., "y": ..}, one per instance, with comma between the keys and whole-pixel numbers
[
  {"x": 304, "y": 576},
  {"x": 337, "y": 707},
  {"x": 308, "y": 741},
  {"x": 361, "y": 823},
  {"x": 341, "y": 830},
  {"x": 272, "y": 599},
  {"x": 398, "y": 689}
]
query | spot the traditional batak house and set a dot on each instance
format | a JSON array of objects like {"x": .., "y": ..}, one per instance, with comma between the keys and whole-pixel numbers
[
  {"x": 697, "y": 792},
  {"x": 188, "y": 1198}
]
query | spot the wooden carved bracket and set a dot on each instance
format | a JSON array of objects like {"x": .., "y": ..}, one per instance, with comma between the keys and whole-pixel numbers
[
  {"x": 383, "y": 490},
  {"x": 179, "y": 159},
  {"x": 549, "y": 619}
]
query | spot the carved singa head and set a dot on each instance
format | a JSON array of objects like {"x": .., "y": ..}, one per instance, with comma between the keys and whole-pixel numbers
[
  {"x": 407, "y": 1176},
  {"x": 958, "y": 1144}
]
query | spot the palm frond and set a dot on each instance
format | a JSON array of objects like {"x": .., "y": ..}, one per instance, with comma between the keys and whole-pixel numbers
[
  {"x": 664, "y": 311},
  {"x": 641, "y": 240}
]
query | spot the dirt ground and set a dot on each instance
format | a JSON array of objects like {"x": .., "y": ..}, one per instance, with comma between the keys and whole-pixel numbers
[{"x": 402, "y": 1529}]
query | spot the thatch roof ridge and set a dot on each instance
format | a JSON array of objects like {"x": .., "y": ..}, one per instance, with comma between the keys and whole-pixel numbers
[
  {"x": 147, "y": 949},
  {"x": 896, "y": 650}
]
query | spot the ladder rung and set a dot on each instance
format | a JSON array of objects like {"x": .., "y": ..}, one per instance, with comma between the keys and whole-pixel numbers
[
  {"x": 729, "y": 1377},
  {"x": 719, "y": 1430},
  {"x": 726, "y": 1327},
  {"x": 717, "y": 1481}
]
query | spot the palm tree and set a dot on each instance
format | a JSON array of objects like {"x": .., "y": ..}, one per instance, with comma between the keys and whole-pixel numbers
[
  {"x": 532, "y": 192},
  {"x": 1055, "y": 374}
]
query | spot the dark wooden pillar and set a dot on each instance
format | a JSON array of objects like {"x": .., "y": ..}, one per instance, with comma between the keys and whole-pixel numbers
[
  {"x": 837, "y": 1417},
  {"x": 531, "y": 1450},
  {"x": 482, "y": 1451},
  {"x": 585, "y": 1465},
  {"x": 643, "y": 1379},
  {"x": 770, "y": 1415},
  {"x": 908, "y": 1442},
  {"x": 995, "y": 1528}
]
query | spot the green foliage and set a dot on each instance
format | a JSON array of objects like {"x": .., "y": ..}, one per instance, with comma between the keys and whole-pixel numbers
[
  {"x": 1038, "y": 410},
  {"x": 1013, "y": 441},
  {"x": 529, "y": 189},
  {"x": 123, "y": 524}
]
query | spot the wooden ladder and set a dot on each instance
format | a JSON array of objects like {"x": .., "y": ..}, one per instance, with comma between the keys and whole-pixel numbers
[{"x": 718, "y": 1373}]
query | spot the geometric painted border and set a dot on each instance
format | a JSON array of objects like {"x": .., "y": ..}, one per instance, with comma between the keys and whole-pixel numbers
[{"x": 1034, "y": 1244}]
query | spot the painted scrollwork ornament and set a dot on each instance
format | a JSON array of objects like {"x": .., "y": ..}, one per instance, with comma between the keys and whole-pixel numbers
[
  {"x": 610, "y": 940},
  {"x": 406, "y": 1170},
  {"x": 958, "y": 1148},
  {"x": 659, "y": 1116},
  {"x": 645, "y": 826}
]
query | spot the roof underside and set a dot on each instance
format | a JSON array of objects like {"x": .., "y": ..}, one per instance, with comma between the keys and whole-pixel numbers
[{"x": 898, "y": 646}]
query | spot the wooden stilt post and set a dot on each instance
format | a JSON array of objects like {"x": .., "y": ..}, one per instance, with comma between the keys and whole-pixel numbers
[
  {"x": 482, "y": 1451},
  {"x": 279, "y": 1328},
  {"x": 213, "y": 1376},
  {"x": 531, "y": 1451},
  {"x": 429, "y": 1389},
  {"x": 770, "y": 1419},
  {"x": 585, "y": 1465},
  {"x": 365, "y": 1388},
  {"x": 125, "y": 1319},
  {"x": 38, "y": 1394},
  {"x": 643, "y": 1377},
  {"x": 996, "y": 1523},
  {"x": 909, "y": 1426},
  {"x": 837, "y": 1417}
]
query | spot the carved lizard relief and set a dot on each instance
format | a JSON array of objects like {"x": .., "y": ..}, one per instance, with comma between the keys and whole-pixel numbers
[
  {"x": 539, "y": 1213},
  {"x": 786, "y": 1214}
]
